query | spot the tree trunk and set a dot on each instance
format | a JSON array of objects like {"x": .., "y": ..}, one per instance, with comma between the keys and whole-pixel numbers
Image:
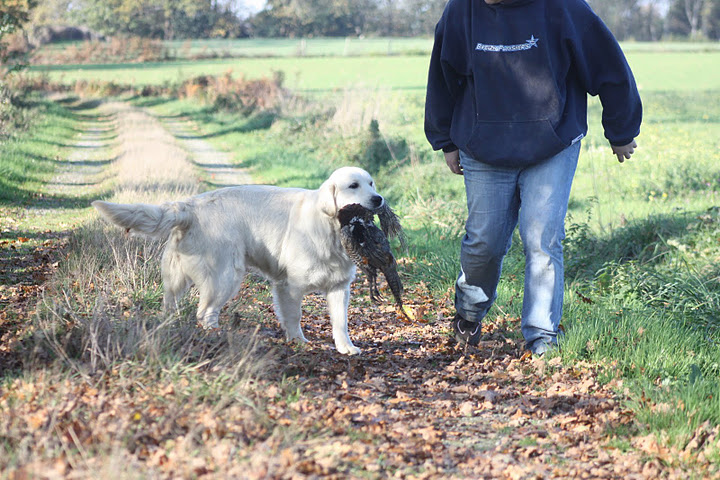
[{"x": 693, "y": 10}]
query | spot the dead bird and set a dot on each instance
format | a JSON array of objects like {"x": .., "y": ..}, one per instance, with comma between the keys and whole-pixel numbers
[{"x": 368, "y": 247}]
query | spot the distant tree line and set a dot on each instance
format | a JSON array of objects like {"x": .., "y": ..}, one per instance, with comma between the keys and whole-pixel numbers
[
  {"x": 304, "y": 18},
  {"x": 164, "y": 19},
  {"x": 650, "y": 20},
  {"x": 645, "y": 20}
]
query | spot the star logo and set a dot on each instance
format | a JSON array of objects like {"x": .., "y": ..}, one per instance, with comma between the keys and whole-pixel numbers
[{"x": 533, "y": 41}]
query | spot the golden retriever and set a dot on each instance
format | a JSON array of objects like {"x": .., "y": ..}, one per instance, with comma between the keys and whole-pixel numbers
[{"x": 290, "y": 235}]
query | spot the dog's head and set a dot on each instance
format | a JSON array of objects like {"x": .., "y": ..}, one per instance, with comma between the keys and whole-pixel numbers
[{"x": 348, "y": 185}]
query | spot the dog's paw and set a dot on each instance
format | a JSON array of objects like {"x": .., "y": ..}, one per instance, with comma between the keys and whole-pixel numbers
[
  {"x": 299, "y": 340},
  {"x": 209, "y": 325},
  {"x": 348, "y": 349}
]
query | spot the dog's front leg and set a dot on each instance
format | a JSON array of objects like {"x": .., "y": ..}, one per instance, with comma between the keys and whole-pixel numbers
[
  {"x": 288, "y": 308},
  {"x": 337, "y": 301}
]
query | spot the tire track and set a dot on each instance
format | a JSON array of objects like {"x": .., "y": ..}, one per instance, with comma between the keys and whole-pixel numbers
[
  {"x": 87, "y": 164},
  {"x": 218, "y": 170},
  {"x": 161, "y": 160}
]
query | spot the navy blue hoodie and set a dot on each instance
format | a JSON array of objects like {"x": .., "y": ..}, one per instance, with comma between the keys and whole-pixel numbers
[{"x": 508, "y": 82}]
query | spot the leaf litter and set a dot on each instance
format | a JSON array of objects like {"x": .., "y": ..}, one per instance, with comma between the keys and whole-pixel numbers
[{"x": 412, "y": 405}]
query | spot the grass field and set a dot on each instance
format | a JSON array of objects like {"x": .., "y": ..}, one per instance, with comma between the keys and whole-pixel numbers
[
  {"x": 641, "y": 309},
  {"x": 282, "y": 47},
  {"x": 657, "y": 67}
]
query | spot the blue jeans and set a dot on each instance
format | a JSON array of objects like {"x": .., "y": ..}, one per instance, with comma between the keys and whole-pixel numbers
[{"x": 500, "y": 198}]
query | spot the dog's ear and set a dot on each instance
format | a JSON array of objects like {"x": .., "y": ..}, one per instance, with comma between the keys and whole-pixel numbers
[{"x": 326, "y": 198}]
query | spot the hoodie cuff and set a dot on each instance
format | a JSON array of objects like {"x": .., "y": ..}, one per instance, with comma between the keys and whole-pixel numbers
[
  {"x": 449, "y": 148},
  {"x": 621, "y": 142}
]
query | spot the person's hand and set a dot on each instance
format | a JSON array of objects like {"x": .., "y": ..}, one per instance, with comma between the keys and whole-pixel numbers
[
  {"x": 453, "y": 162},
  {"x": 624, "y": 151}
]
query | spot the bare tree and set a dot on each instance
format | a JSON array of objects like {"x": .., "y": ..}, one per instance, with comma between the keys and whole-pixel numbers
[
  {"x": 711, "y": 19},
  {"x": 618, "y": 15},
  {"x": 693, "y": 11}
]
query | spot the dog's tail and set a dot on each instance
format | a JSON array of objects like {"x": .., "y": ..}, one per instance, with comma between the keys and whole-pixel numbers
[{"x": 152, "y": 220}]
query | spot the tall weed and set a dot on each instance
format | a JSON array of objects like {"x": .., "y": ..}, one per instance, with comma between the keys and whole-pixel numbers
[
  {"x": 378, "y": 151},
  {"x": 225, "y": 92},
  {"x": 104, "y": 307}
]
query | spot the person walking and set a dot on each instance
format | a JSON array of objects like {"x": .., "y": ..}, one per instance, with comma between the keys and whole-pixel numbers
[{"x": 507, "y": 104}]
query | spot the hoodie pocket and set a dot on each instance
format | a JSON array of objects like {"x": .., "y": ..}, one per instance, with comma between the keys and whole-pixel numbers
[{"x": 514, "y": 144}]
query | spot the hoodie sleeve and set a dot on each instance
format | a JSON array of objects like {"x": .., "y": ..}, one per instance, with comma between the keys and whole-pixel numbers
[
  {"x": 443, "y": 88},
  {"x": 604, "y": 71}
]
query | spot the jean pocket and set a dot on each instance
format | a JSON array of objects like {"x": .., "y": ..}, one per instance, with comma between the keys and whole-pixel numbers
[{"x": 514, "y": 143}]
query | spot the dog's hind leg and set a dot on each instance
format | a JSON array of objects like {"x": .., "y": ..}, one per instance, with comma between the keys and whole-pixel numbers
[
  {"x": 215, "y": 291},
  {"x": 175, "y": 282},
  {"x": 288, "y": 308},
  {"x": 173, "y": 293},
  {"x": 338, "y": 300}
]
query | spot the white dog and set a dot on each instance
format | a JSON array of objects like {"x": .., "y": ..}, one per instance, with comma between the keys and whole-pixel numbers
[{"x": 290, "y": 235}]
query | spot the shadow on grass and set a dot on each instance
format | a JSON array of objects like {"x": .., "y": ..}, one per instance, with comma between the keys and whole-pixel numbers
[
  {"x": 12, "y": 192},
  {"x": 644, "y": 241},
  {"x": 30, "y": 161},
  {"x": 68, "y": 202},
  {"x": 149, "y": 102},
  {"x": 259, "y": 121},
  {"x": 15, "y": 196},
  {"x": 75, "y": 108},
  {"x": 88, "y": 163},
  {"x": 85, "y": 105}
]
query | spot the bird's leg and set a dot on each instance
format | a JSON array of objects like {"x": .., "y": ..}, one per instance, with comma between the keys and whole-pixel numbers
[{"x": 375, "y": 296}]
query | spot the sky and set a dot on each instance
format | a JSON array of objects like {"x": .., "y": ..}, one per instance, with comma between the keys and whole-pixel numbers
[{"x": 251, "y": 6}]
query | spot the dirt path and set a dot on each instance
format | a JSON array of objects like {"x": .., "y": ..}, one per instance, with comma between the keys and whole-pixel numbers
[
  {"x": 162, "y": 160},
  {"x": 416, "y": 405},
  {"x": 86, "y": 166},
  {"x": 216, "y": 165}
]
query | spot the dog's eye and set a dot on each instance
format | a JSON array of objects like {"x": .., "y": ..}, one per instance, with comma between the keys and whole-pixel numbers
[{"x": 354, "y": 185}]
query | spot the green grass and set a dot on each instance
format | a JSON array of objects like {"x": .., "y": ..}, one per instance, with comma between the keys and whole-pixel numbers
[
  {"x": 279, "y": 47},
  {"x": 655, "y": 71},
  {"x": 29, "y": 158},
  {"x": 674, "y": 46},
  {"x": 283, "y": 47},
  {"x": 32, "y": 157},
  {"x": 675, "y": 167},
  {"x": 308, "y": 74},
  {"x": 350, "y": 46}
]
